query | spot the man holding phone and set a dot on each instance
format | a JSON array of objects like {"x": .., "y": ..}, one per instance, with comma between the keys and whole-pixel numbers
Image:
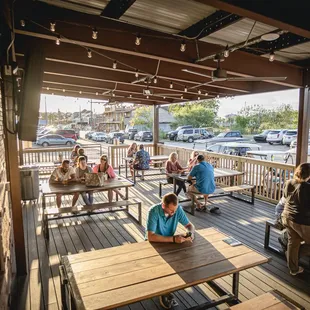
[{"x": 161, "y": 225}]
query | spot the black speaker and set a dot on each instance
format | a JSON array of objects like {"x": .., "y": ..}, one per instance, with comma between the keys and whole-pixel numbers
[{"x": 31, "y": 92}]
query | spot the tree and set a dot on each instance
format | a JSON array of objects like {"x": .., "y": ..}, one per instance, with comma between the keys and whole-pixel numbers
[
  {"x": 143, "y": 116},
  {"x": 197, "y": 114}
]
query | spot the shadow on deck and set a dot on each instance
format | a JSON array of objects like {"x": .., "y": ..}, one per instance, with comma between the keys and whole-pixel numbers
[{"x": 40, "y": 289}]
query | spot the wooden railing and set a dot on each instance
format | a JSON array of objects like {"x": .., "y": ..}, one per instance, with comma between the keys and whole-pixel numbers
[
  {"x": 47, "y": 155},
  {"x": 267, "y": 177}
]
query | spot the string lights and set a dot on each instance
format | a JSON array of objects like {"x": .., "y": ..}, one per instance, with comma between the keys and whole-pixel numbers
[
  {"x": 53, "y": 26},
  {"x": 271, "y": 57},
  {"x": 185, "y": 89},
  {"x": 171, "y": 85},
  {"x": 97, "y": 94},
  {"x": 113, "y": 94},
  {"x": 89, "y": 54},
  {"x": 138, "y": 39},
  {"x": 22, "y": 23},
  {"x": 137, "y": 73},
  {"x": 183, "y": 46},
  {"x": 226, "y": 52},
  {"x": 130, "y": 96},
  {"x": 114, "y": 64},
  {"x": 199, "y": 92},
  {"x": 95, "y": 34},
  {"x": 58, "y": 40},
  {"x": 155, "y": 80},
  {"x": 147, "y": 97},
  {"x": 63, "y": 90},
  {"x": 198, "y": 98},
  {"x": 80, "y": 92},
  {"x": 47, "y": 88},
  {"x": 206, "y": 94}
]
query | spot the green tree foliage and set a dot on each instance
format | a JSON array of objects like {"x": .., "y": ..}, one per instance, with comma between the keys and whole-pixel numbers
[
  {"x": 197, "y": 114},
  {"x": 252, "y": 119},
  {"x": 143, "y": 116}
]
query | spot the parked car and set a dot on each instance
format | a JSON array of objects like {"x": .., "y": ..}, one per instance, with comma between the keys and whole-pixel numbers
[
  {"x": 233, "y": 148},
  {"x": 67, "y": 133},
  {"x": 48, "y": 140},
  {"x": 275, "y": 136},
  {"x": 294, "y": 142},
  {"x": 262, "y": 136},
  {"x": 289, "y": 136},
  {"x": 88, "y": 135},
  {"x": 115, "y": 135},
  {"x": 99, "y": 136},
  {"x": 130, "y": 134},
  {"x": 191, "y": 134},
  {"x": 143, "y": 136},
  {"x": 172, "y": 135}
]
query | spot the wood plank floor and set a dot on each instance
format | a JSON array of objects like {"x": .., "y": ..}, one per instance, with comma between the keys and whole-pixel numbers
[{"x": 40, "y": 289}]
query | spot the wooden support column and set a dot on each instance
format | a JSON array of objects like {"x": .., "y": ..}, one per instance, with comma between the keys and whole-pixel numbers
[
  {"x": 12, "y": 164},
  {"x": 155, "y": 127},
  {"x": 303, "y": 125}
]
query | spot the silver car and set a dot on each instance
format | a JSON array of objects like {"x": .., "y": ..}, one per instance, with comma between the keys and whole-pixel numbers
[
  {"x": 48, "y": 140},
  {"x": 276, "y": 136},
  {"x": 289, "y": 136}
]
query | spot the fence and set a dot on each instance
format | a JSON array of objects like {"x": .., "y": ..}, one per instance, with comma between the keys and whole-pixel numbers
[{"x": 48, "y": 155}]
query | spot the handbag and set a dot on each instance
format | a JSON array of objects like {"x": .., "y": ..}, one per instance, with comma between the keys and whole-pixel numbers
[{"x": 95, "y": 179}]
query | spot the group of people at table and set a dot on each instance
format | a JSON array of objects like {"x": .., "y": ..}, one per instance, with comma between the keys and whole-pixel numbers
[{"x": 293, "y": 210}]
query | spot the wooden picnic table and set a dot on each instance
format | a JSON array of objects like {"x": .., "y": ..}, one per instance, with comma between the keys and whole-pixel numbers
[
  {"x": 156, "y": 158},
  {"x": 50, "y": 189},
  {"x": 126, "y": 274}
]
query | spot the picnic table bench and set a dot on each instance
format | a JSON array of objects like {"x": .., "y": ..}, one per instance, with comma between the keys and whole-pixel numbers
[{"x": 118, "y": 276}]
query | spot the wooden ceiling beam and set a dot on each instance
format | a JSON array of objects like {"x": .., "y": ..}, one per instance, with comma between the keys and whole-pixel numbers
[
  {"x": 120, "y": 37},
  {"x": 117, "y": 8}
]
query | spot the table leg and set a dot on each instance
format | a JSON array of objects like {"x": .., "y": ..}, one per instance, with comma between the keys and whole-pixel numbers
[
  {"x": 174, "y": 185},
  {"x": 63, "y": 288},
  {"x": 126, "y": 166},
  {"x": 235, "y": 285},
  {"x": 126, "y": 196}
]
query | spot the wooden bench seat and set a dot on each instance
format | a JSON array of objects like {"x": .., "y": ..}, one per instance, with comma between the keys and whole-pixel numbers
[
  {"x": 275, "y": 225},
  {"x": 272, "y": 300},
  {"x": 122, "y": 205}
]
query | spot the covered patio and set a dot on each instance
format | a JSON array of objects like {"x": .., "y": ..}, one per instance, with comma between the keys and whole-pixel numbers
[{"x": 150, "y": 53}]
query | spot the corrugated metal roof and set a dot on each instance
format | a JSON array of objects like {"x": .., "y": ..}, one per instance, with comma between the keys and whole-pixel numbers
[
  {"x": 238, "y": 32},
  {"x": 296, "y": 52},
  {"x": 167, "y": 16},
  {"x": 93, "y": 7}
]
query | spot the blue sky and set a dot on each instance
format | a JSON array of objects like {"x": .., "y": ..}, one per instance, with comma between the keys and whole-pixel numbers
[{"x": 227, "y": 106}]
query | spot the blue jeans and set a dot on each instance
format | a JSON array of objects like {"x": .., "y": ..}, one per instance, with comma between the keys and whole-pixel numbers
[{"x": 88, "y": 198}]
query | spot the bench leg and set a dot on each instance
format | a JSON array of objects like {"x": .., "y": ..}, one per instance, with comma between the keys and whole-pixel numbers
[
  {"x": 140, "y": 212},
  {"x": 160, "y": 190},
  {"x": 63, "y": 288},
  {"x": 253, "y": 196},
  {"x": 235, "y": 285},
  {"x": 193, "y": 206},
  {"x": 267, "y": 236}
]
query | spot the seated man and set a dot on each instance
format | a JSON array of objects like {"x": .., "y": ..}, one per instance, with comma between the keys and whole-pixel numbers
[
  {"x": 142, "y": 159},
  {"x": 161, "y": 224},
  {"x": 63, "y": 175},
  {"x": 205, "y": 185}
]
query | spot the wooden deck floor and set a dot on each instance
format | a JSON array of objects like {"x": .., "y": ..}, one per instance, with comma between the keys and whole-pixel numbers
[{"x": 40, "y": 289}]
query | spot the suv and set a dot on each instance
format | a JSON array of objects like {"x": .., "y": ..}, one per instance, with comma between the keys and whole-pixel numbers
[
  {"x": 276, "y": 136},
  {"x": 172, "y": 135},
  {"x": 130, "y": 134},
  {"x": 115, "y": 135},
  {"x": 67, "y": 133},
  {"x": 189, "y": 135},
  {"x": 289, "y": 136},
  {"x": 144, "y": 136}
]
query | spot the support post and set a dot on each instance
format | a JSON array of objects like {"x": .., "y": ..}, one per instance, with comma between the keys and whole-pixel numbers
[
  {"x": 303, "y": 125},
  {"x": 155, "y": 128},
  {"x": 21, "y": 152}
]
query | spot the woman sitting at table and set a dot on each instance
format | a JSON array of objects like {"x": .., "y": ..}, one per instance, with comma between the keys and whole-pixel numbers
[
  {"x": 173, "y": 166},
  {"x": 104, "y": 167},
  {"x": 192, "y": 160},
  {"x": 131, "y": 152},
  {"x": 74, "y": 153},
  {"x": 80, "y": 171}
]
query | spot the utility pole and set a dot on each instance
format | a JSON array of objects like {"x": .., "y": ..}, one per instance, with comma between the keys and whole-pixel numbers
[{"x": 45, "y": 111}]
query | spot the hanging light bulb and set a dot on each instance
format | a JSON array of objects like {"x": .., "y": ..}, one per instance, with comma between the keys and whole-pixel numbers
[
  {"x": 218, "y": 96},
  {"x": 113, "y": 94},
  {"x": 198, "y": 98},
  {"x": 47, "y": 88},
  {"x": 52, "y": 94},
  {"x": 164, "y": 97},
  {"x": 138, "y": 39},
  {"x": 155, "y": 80},
  {"x": 89, "y": 54},
  {"x": 206, "y": 94},
  {"x": 199, "y": 92},
  {"x": 226, "y": 52},
  {"x": 185, "y": 89},
  {"x": 80, "y": 92},
  {"x": 22, "y": 23},
  {"x": 95, "y": 33},
  {"x": 63, "y": 90},
  {"x": 53, "y": 26},
  {"x": 97, "y": 94},
  {"x": 147, "y": 97},
  {"x": 58, "y": 40},
  {"x": 137, "y": 73},
  {"x": 114, "y": 64},
  {"x": 271, "y": 57},
  {"x": 182, "y": 97},
  {"x": 130, "y": 96},
  {"x": 183, "y": 46},
  {"x": 171, "y": 85}
]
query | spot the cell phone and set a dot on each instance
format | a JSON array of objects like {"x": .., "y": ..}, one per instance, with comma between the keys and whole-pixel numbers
[{"x": 188, "y": 234}]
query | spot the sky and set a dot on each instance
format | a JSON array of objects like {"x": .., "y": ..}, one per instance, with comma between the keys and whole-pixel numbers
[{"x": 227, "y": 106}]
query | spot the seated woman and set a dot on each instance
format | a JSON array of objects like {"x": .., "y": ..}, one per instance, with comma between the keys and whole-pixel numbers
[
  {"x": 131, "y": 152},
  {"x": 104, "y": 167},
  {"x": 192, "y": 160},
  {"x": 296, "y": 215},
  {"x": 74, "y": 153},
  {"x": 173, "y": 166},
  {"x": 80, "y": 171}
]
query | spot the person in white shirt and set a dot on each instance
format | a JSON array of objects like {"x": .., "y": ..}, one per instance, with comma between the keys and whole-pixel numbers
[{"x": 63, "y": 175}]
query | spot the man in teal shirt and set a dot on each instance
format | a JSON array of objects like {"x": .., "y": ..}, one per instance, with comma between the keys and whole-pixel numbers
[{"x": 161, "y": 225}]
